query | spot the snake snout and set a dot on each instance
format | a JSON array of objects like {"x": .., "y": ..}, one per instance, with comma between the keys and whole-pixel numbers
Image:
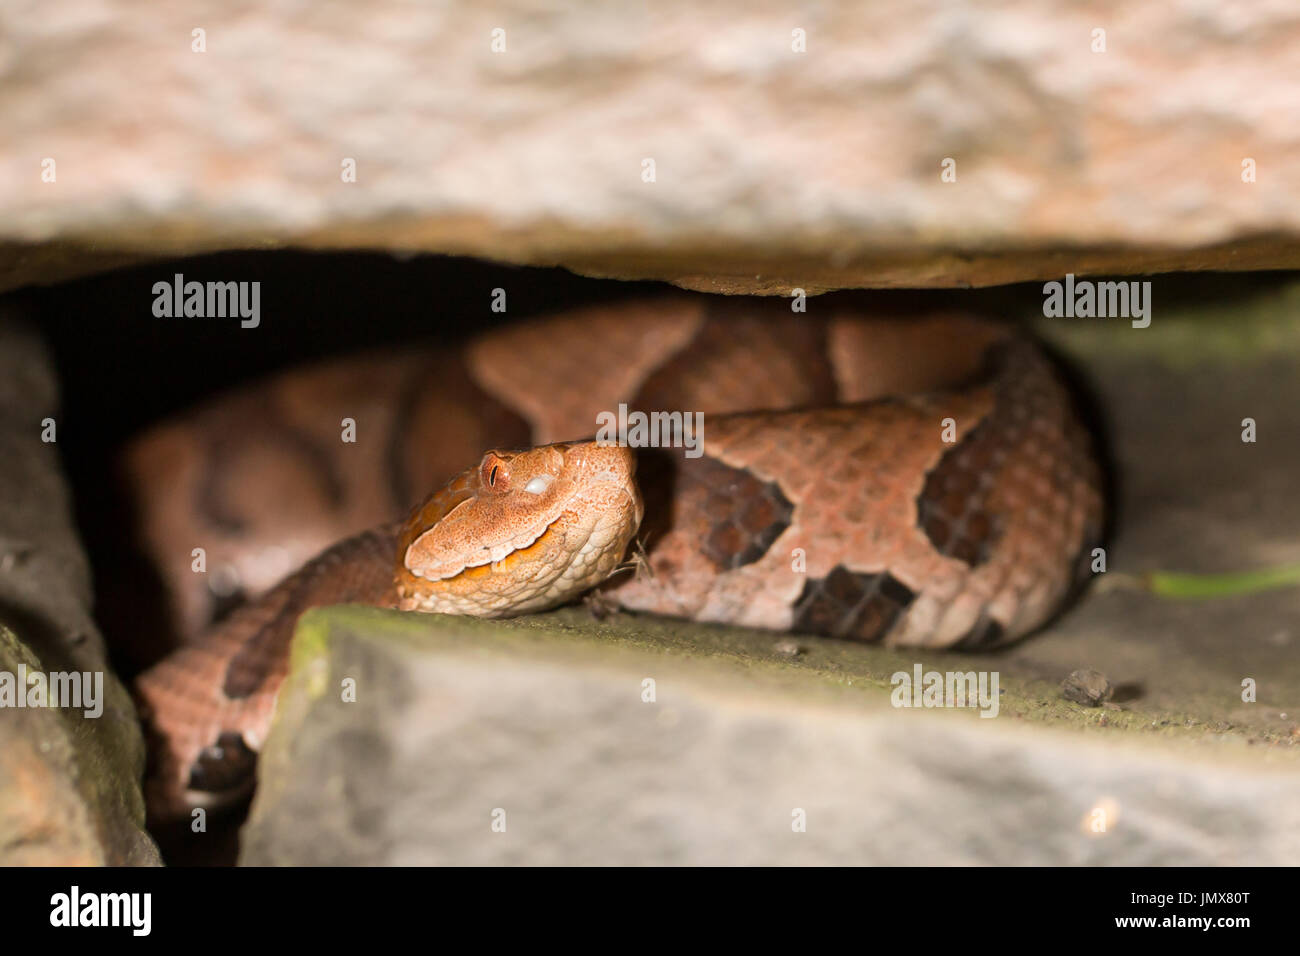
[{"x": 615, "y": 464}]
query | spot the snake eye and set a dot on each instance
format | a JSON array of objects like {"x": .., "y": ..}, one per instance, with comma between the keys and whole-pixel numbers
[{"x": 494, "y": 472}]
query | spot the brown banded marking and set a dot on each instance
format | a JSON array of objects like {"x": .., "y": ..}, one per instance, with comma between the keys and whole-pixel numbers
[
  {"x": 742, "y": 358},
  {"x": 535, "y": 369},
  {"x": 737, "y": 514},
  {"x": 847, "y": 604},
  {"x": 956, "y": 507},
  {"x": 953, "y": 508}
]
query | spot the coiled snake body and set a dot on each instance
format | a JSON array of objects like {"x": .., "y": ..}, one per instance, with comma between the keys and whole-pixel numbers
[{"x": 914, "y": 482}]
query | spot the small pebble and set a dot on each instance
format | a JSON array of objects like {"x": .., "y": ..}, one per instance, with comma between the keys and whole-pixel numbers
[
  {"x": 787, "y": 647},
  {"x": 1086, "y": 686}
]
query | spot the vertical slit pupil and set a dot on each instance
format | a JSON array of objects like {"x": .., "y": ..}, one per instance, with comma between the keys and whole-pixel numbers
[{"x": 492, "y": 478}]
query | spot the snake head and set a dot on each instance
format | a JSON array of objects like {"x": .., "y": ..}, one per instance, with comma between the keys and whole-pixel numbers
[{"x": 520, "y": 531}]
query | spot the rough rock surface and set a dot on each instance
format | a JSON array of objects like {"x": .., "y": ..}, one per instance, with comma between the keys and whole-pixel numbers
[
  {"x": 473, "y": 742},
  {"x": 773, "y": 167},
  {"x": 69, "y": 784}
]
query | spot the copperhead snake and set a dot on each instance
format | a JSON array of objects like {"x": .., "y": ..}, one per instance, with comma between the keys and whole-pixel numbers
[{"x": 920, "y": 482}]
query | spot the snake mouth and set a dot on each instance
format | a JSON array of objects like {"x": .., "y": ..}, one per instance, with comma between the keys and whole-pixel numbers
[
  {"x": 505, "y": 525},
  {"x": 483, "y": 569},
  {"x": 492, "y": 555},
  {"x": 528, "y": 546}
]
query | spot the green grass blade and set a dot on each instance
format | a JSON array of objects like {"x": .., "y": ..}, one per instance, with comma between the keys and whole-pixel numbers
[{"x": 1173, "y": 584}]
